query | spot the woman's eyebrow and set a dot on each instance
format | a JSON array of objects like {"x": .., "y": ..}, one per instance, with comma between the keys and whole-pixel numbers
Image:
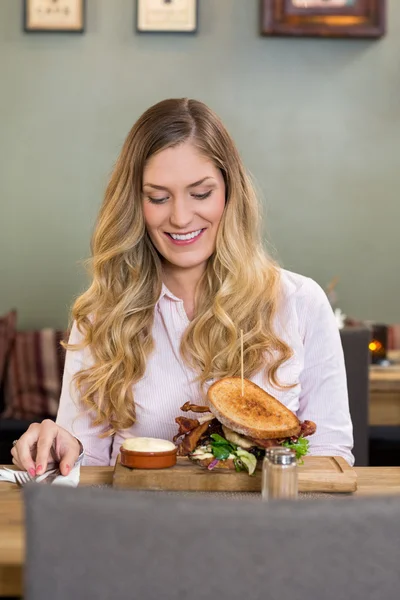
[
  {"x": 196, "y": 183},
  {"x": 162, "y": 187}
]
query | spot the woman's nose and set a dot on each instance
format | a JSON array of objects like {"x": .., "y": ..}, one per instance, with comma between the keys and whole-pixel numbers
[{"x": 181, "y": 213}]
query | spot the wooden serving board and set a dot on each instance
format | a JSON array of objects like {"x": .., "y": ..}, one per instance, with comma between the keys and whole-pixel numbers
[{"x": 317, "y": 474}]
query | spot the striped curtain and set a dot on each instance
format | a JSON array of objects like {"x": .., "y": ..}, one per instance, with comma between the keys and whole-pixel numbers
[
  {"x": 7, "y": 335},
  {"x": 34, "y": 374}
]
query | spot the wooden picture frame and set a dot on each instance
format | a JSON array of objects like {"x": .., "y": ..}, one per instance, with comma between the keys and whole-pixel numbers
[
  {"x": 323, "y": 18},
  {"x": 166, "y": 16},
  {"x": 54, "y": 16}
]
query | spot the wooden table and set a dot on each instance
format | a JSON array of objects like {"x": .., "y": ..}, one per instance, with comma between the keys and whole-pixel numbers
[
  {"x": 371, "y": 481},
  {"x": 384, "y": 393}
]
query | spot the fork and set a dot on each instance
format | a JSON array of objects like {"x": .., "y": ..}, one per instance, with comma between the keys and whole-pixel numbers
[{"x": 22, "y": 478}]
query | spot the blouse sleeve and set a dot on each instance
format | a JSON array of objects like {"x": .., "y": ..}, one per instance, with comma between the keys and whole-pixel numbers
[
  {"x": 73, "y": 416},
  {"x": 323, "y": 396}
]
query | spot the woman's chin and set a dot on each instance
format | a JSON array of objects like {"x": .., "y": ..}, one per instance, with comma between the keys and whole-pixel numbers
[{"x": 182, "y": 262}]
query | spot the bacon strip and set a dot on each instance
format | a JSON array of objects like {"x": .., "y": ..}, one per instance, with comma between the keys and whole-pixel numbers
[
  {"x": 265, "y": 443},
  {"x": 307, "y": 428},
  {"x": 190, "y": 441},
  {"x": 194, "y": 408},
  {"x": 185, "y": 425}
]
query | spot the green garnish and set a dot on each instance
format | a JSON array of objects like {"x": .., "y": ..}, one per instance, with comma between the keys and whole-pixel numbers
[
  {"x": 222, "y": 449},
  {"x": 220, "y": 452},
  {"x": 300, "y": 447},
  {"x": 248, "y": 459},
  {"x": 218, "y": 439},
  {"x": 239, "y": 466}
]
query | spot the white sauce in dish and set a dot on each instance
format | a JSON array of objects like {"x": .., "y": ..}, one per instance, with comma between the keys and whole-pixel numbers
[{"x": 144, "y": 444}]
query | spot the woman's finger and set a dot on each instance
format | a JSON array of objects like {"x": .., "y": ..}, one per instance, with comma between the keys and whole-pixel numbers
[
  {"x": 69, "y": 459},
  {"x": 22, "y": 451},
  {"x": 14, "y": 455},
  {"x": 47, "y": 435}
]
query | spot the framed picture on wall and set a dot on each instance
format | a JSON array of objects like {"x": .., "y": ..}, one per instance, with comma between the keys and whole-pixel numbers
[
  {"x": 54, "y": 16},
  {"x": 166, "y": 16},
  {"x": 324, "y": 18}
]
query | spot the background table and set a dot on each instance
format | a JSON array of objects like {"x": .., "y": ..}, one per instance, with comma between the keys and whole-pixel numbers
[{"x": 384, "y": 393}]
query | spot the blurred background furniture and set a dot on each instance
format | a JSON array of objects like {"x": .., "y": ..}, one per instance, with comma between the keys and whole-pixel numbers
[
  {"x": 355, "y": 342},
  {"x": 100, "y": 544},
  {"x": 385, "y": 394},
  {"x": 384, "y": 415},
  {"x": 30, "y": 381}
]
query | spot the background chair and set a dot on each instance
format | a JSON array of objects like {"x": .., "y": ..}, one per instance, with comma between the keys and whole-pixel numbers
[
  {"x": 101, "y": 544},
  {"x": 355, "y": 342}
]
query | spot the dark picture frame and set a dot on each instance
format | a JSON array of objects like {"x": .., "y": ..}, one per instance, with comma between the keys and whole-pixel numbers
[
  {"x": 54, "y": 16},
  {"x": 323, "y": 18},
  {"x": 159, "y": 23}
]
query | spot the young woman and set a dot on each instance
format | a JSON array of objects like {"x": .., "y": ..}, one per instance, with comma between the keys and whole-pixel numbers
[{"x": 178, "y": 270}]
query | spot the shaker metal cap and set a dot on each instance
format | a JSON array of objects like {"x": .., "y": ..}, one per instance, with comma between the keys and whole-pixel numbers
[{"x": 282, "y": 456}]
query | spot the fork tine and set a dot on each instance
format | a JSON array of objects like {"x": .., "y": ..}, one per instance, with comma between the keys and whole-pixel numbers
[
  {"x": 18, "y": 479},
  {"x": 22, "y": 478},
  {"x": 30, "y": 478}
]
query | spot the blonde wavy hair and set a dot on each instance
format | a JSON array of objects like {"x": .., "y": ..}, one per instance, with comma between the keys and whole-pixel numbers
[{"x": 239, "y": 289}]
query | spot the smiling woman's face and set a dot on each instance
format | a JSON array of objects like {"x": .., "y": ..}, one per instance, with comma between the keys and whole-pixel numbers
[{"x": 183, "y": 202}]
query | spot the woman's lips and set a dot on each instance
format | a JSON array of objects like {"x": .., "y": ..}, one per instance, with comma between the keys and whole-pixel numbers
[{"x": 184, "y": 242}]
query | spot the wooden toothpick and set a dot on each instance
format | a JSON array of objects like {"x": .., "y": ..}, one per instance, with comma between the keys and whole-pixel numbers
[{"x": 241, "y": 359}]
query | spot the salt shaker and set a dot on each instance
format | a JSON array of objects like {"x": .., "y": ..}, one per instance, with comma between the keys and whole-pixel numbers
[{"x": 279, "y": 474}]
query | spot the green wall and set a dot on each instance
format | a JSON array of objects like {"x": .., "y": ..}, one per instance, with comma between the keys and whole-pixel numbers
[{"x": 317, "y": 123}]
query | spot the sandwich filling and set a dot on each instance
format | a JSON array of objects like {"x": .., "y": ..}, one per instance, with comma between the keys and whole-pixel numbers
[{"x": 213, "y": 445}]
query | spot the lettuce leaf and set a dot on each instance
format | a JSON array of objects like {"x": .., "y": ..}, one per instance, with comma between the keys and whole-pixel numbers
[
  {"x": 220, "y": 452},
  {"x": 218, "y": 440},
  {"x": 222, "y": 449},
  {"x": 300, "y": 447},
  {"x": 249, "y": 460},
  {"x": 239, "y": 466}
]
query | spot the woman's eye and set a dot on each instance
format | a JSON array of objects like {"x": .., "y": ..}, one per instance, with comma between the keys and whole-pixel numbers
[
  {"x": 165, "y": 198},
  {"x": 157, "y": 200},
  {"x": 202, "y": 196}
]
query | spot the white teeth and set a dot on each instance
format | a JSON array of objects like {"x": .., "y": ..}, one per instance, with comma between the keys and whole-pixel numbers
[{"x": 188, "y": 236}]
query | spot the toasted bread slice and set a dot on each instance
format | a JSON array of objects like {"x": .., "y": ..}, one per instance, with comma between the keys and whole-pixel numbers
[{"x": 256, "y": 414}]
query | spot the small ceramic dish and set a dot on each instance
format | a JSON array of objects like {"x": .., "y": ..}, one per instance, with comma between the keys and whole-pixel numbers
[{"x": 148, "y": 460}]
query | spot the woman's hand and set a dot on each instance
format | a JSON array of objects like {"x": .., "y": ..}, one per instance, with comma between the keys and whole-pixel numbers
[{"x": 45, "y": 443}]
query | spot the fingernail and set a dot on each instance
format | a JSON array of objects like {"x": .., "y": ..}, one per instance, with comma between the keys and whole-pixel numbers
[
  {"x": 67, "y": 469},
  {"x": 32, "y": 472},
  {"x": 39, "y": 469}
]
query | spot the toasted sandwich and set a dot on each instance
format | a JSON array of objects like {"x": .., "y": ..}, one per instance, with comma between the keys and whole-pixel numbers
[{"x": 234, "y": 430}]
